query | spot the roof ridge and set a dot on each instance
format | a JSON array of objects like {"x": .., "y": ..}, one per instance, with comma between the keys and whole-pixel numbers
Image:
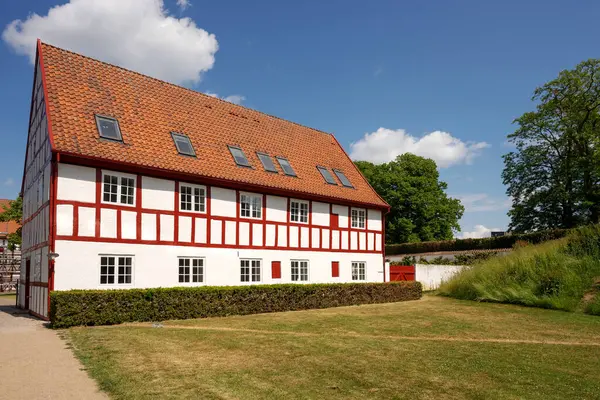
[{"x": 187, "y": 89}]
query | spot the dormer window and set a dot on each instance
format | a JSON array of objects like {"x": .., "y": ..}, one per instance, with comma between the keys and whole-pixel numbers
[
  {"x": 183, "y": 144},
  {"x": 108, "y": 128},
  {"x": 342, "y": 177},
  {"x": 327, "y": 175},
  {"x": 286, "y": 166},
  {"x": 239, "y": 156}
]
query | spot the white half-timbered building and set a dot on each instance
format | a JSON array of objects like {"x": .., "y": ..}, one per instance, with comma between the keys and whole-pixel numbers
[{"x": 131, "y": 182}]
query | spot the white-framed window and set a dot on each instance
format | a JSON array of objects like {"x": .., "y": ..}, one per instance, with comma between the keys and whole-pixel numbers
[
  {"x": 299, "y": 270},
  {"x": 299, "y": 211},
  {"x": 192, "y": 198},
  {"x": 250, "y": 270},
  {"x": 191, "y": 270},
  {"x": 118, "y": 188},
  {"x": 251, "y": 205},
  {"x": 116, "y": 270},
  {"x": 358, "y": 217},
  {"x": 359, "y": 270}
]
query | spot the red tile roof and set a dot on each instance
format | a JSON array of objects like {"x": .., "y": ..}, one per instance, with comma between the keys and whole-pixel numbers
[
  {"x": 7, "y": 227},
  {"x": 148, "y": 109}
]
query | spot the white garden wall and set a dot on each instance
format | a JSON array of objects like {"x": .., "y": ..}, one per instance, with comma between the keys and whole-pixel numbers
[{"x": 431, "y": 276}]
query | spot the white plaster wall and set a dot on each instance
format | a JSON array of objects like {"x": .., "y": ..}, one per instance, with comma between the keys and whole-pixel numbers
[
  {"x": 257, "y": 235},
  {"x": 270, "y": 235},
  {"x": 201, "y": 230},
  {"x": 128, "y": 224},
  {"x": 377, "y": 242},
  {"x": 76, "y": 183},
  {"x": 158, "y": 194},
  {"x": 244, "y": 233},
  {"x": 282, "y": 235},
  {"x": 64, "y": 219},
  {"x": 316, "y": 236},
  {"x": 353, "y": 240},
  {"x": 216, "y": 231},
  {"x": 304, "y": 237},
  {"x": 230, "y": 233},
  {"x": 148, "y": 226},
  {"x": 374, "y": 220},
  {"x": 223, "y": 202},
  {"x": 320, "y": 213},
  {"x": 293, "y": 236},
  {"x": 335, "y": 240},
  {"x": 371, "y": 241},
  {"x": 344, "y": 240},
  {"x": 325, "y": 238},
  {"x": 156, "y": 266},
  {"x": 432, "y": 276},
  {"x": 108, "y": 223},
  {"x": 342, "y": 211},
  {"x": 276, "y": 208},
  {"x": 167, "y": 228},
  {"x": 185, "y": 229},
  {"x": 87, "y": 221}
]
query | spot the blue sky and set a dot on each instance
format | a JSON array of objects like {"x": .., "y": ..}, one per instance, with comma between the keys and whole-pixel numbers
[{"x": 441, "y": 79}]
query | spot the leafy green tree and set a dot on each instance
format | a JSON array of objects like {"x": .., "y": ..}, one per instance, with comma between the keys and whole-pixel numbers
[
  {"x": 14, "y": 212},
  {"x": 553, "y": 176},
  {"x": 420, "y": 208}
]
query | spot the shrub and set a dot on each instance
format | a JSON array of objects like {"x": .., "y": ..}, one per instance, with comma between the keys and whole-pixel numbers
[
  {"x": 459, "y": 259},
  {"x": 555, "y": 275},
  {"x": 106, "y": 307},
  {"x": 491, "y": 243}
]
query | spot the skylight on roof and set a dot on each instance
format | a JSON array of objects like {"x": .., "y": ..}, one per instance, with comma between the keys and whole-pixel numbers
[
  {"x": 345, "y": 181},
  {"x": 108, "y": 128},
  {"x": 183, "y": 144},
  {"x": 286, "y": 167},
  {"x": 239, "y": 156},
  {"x": 327, "y": 175},
  {"x": 267, "y": 162}
]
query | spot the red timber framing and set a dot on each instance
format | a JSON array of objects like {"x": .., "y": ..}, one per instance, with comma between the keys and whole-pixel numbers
[{"x": 210, "y": 242}]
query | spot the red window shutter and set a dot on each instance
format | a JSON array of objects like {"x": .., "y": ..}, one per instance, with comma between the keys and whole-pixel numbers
[
  {"x": 335, "y": 269},
  {"x": 276, "y": 269},
  {"x": 335, "y": 221}
]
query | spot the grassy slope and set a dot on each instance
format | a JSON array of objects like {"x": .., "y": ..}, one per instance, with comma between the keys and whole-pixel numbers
[
  {"x": 555, "y": 274},
  {"x": 435, "y": 348}
]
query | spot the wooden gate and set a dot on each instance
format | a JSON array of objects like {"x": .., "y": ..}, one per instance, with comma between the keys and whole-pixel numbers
[{"x": 402, "y": 273}]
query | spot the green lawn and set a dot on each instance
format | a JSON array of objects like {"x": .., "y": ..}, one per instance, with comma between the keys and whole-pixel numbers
[{"x": 435, "y": 348}]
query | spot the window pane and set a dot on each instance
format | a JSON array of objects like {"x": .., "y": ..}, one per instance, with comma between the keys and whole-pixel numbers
[
  {"x": 342, "y": 177},
  {"x": 267, "y": 162},
  {"x": 239, "y": 156},
  {"x": 183, "y": 144},
  {"x": 245, "y": 270},
  {"x": 255, "y": 270},
  {"x": 108, "y": 128},
  {"x": 327, "y": 175},
  {"x": 286, "y": 167}
]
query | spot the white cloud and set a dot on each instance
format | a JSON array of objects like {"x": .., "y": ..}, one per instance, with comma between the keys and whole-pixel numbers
[
  {"x": 183, "y": 4},
  {"x": 9, "y": 182},
  {"x": 385, "y": 145},
  {"x": 478, "y": 202},
  {"x": 135, "y": 34},
  {"x": 234, "y": 98},
  {"x": 479, "y": 232}
]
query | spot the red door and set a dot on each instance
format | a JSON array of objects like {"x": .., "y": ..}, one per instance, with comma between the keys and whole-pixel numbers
[
  {"x": 402, "y": 273},
  {"x": 27, "y": 281}
]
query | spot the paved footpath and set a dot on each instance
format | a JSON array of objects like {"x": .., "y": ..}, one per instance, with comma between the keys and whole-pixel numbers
[{"x": 35, "y": 363}]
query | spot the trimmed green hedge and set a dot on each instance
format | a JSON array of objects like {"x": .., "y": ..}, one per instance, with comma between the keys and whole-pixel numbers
[
  {"x": 492, "y": 243},
  {"x": 106, "y": 307}
]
